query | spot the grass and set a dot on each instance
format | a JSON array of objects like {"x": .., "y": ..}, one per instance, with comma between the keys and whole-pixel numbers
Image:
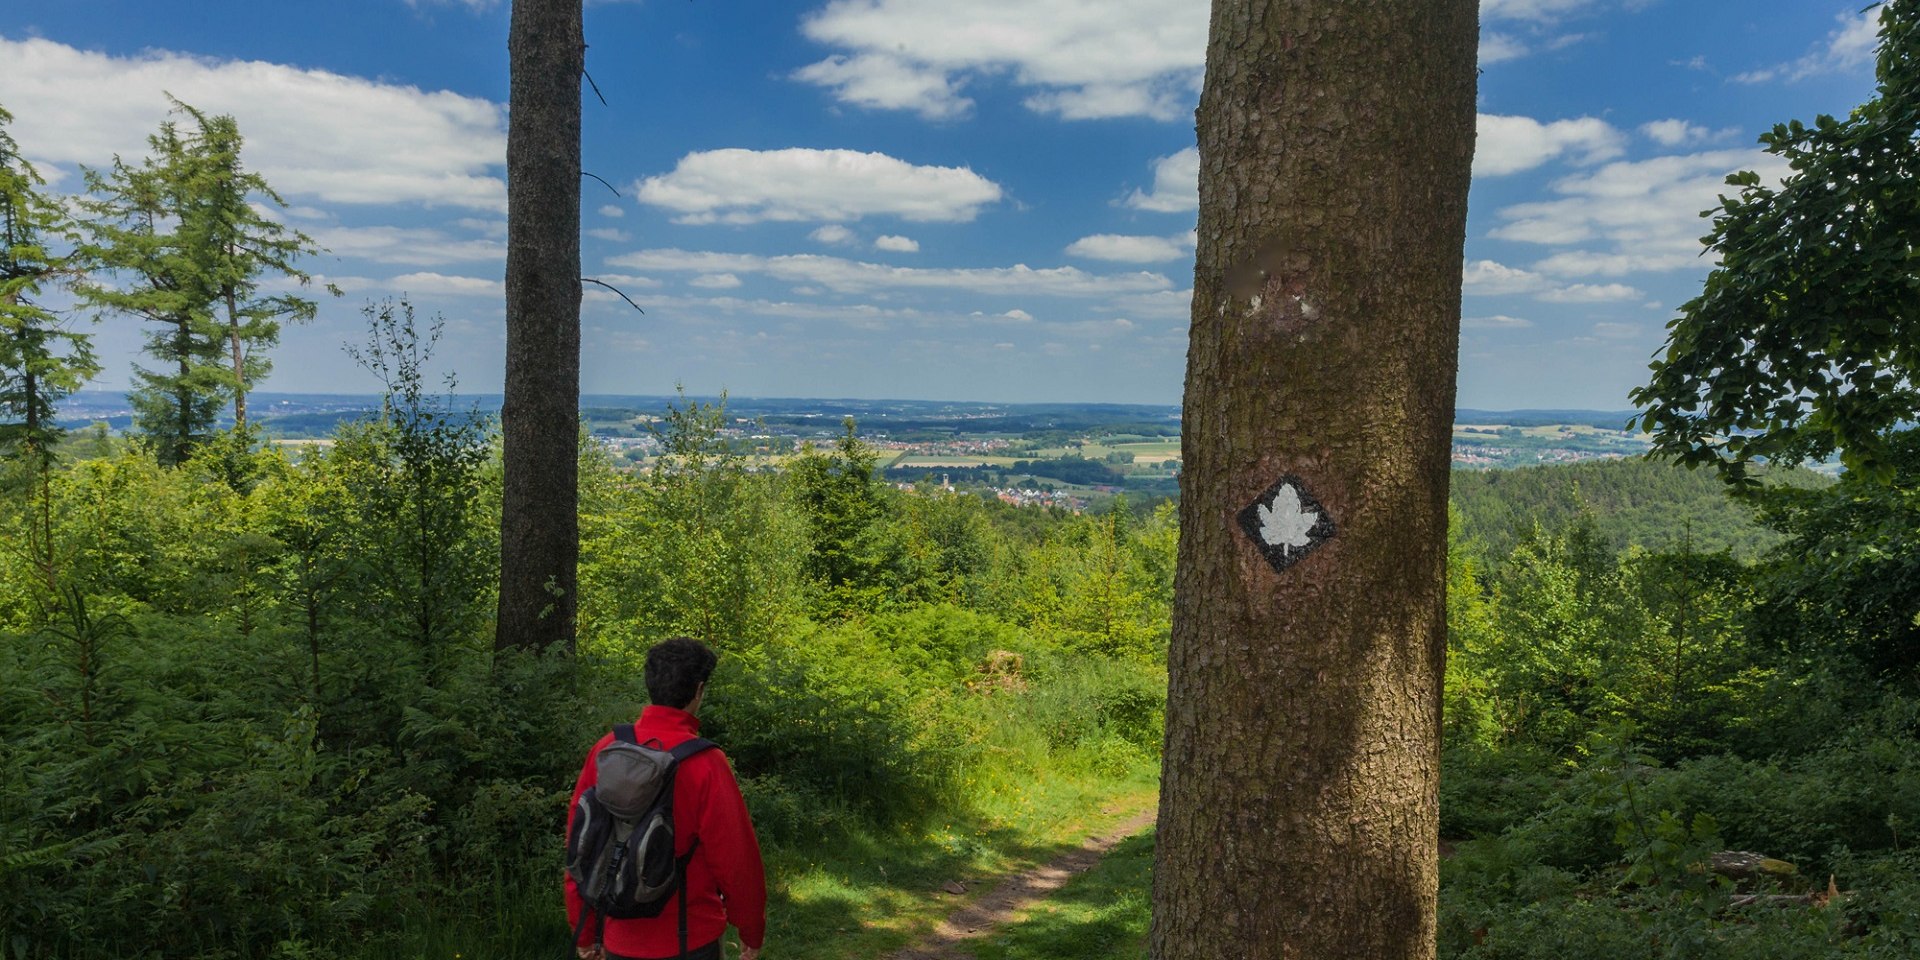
[
  {"x": 1100, "y": 915},
  {"x": 859, "y": 892},
  {"x": 864, "y": 893},
  {"x": 518, "y": 919}
]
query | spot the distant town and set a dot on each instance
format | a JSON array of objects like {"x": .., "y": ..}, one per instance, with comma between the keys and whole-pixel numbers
[{"x": 1056, "y": 455}]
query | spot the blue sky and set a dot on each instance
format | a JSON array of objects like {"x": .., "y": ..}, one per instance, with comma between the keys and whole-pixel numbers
[{"x": 989, "y": 200}]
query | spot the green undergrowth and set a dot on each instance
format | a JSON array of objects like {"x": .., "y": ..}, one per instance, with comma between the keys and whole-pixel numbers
[
  {"x": 853, "y": 890},
  {"x": 881, "y": 762}
]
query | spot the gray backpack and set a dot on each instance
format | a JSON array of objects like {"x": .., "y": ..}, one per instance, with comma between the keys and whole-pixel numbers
[{"x": 620, "y": 846}]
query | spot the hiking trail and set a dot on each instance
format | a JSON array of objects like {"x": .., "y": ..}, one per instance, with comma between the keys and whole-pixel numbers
[{"x": 1007, "y": 901}]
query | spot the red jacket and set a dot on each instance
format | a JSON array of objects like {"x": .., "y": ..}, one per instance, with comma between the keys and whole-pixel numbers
[{"x": 726, "y": 882}]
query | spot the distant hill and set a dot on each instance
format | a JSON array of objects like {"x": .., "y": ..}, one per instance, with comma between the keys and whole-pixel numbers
[
  {"x": 1604, "y": 419},
  {"x": 1651, "y": 503}
]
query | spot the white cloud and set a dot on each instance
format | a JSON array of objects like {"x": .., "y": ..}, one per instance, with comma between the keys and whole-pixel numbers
[
  {"x": 418, "y": 284},
  {"x": 672, "y": 260},
  {"x": 1591, "y": 293},
  {"x": 409, "y": 246},
  {"x": 1589, "y": 263},
  {"x": 853, "y": 276},
  {"x": 1529, "y": 26},
  {"x": 311, "y": 133},
  {"x": 612, "y": 210},
  {"x": 896, "y": 243},
  {"x": 1131, "y": 249},
  {"x": 1644, "y": 213},
  {"x": 1491, "y": 278},
  {"x": 609, "y": 234},
  {"x": 1157, "y": 305},
  {"x": 1100, "y": 328},
  {"x": 885, "y": 82},
  {"x": 697, "y": 309},
  {"x": 832, "y": 234},
  {"x": 1079, "y": 60},
  {"x": 1676, "y": 133},
  {"x": 750, "y": 186},
  {"x": 1176, "y": 184},
  {"x": 1500, "y": 47},
  {"x": 495, "y": 227},
  {"x": 1495, "y": 322},
  {"x": 715, "y": 281},
  {"x": 1506, "y": 145},
  {"x": 1849, "y": 46},
  {"x": 1543, "y": 230},
  {"x": 629, "y": 281},
  {"x": 1512, "y": 144},
  {"x": 1616, "y": 331}
]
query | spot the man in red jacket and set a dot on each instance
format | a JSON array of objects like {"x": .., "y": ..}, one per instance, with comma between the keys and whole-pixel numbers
[{"x": 725, "y": 881}]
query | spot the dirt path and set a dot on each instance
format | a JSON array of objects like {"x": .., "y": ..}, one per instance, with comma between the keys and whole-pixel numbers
[{"x": 1016, "y": 893}]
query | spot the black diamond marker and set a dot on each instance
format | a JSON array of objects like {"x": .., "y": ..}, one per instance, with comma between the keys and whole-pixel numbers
[{"x": 1286, "y": 523}]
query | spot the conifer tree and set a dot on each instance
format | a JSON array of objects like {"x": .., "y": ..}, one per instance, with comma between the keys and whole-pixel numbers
[
  {"x": 41, "y": 361},
  {"x": 181, "y": 230},
  {"x": 133, "y": 232},
  {"x": 234, "y": 246},
  {"x": 837, "y": 495}
]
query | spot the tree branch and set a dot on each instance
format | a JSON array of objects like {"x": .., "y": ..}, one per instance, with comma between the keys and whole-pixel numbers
[
  {"x": 615, "y": 289},
  {"x": 602, "y": 180}
]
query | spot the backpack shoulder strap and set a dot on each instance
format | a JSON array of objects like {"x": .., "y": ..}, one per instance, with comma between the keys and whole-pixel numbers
[
  {"x": 624, "y": 733},
  {"x": 691, "y": 747}
]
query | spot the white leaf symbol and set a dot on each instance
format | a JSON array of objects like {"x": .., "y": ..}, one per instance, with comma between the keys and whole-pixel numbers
[{"x": 1284, "y": 524}]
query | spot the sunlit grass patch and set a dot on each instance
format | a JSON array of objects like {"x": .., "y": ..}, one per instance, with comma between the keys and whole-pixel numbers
[
  {"x": 1102, "y": 913},
  {"x": 865, "y": 892}
]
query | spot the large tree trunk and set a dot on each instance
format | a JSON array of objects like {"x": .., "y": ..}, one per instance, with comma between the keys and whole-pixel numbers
[
  {"x": 539, "y": 523},
  {"x": 1298, "y": 806}
]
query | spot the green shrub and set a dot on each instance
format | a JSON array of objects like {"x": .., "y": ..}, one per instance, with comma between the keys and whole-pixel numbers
[{"x": 1484, "y": 790}]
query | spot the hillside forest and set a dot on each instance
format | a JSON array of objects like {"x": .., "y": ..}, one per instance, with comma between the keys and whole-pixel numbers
[{"x": 252, "y": 706}]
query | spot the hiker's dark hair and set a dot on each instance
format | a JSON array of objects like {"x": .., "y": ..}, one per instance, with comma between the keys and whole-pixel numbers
[{"x": 675, "y": 670}]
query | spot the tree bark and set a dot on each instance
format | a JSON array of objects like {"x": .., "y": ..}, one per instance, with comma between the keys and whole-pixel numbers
[
  {"x": 539, "y": 524},
  {"x": 1298, "y": 806},
  {"x": 239, "y": 362}
]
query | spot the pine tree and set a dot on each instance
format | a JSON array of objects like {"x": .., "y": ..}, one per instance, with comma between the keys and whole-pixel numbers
[
  {"x": 134, "y": 231},
  {"x": 41, "y": 361},
  {"x": 836, "y": 493},
  {"x": 182, "y": 229},
  {"x": 234, "y": 246}
]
